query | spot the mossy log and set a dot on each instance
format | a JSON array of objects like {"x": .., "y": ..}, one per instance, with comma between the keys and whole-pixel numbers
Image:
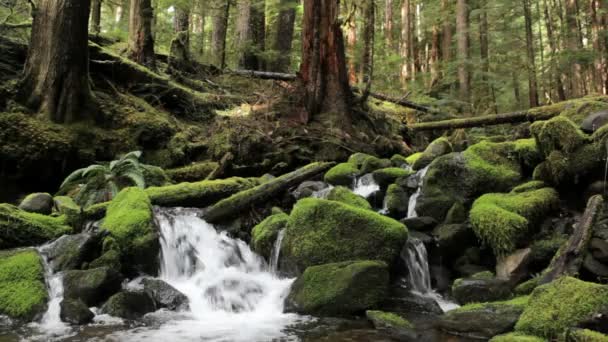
[
  {"x": 402, "y": 102},
  {"x": 480, "y": 121},
  {"x": 569, "y": 258},
  {"x": 245, "y": 199},
  {"x": 265, "y": 75}
]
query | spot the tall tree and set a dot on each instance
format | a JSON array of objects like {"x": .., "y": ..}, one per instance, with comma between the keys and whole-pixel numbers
[
  {"x": 220, "y": 27},
  {"x": 251, "y": 34},
  {"x": 181, "y": 21},
  {"x": 351, "y": 41},
  {"x": 56, "y": 76},
  {"x": 367, "y": 56},
  {"x": 531, "y": 64},
  {"x": 573, "y": 44},
  {"x": 284, "y": 35},
  {"x": 554, "y": 46},
  {"x": 327, "y": 94},
  {"x": 462, "y": 28},
  {"x": 95, "y": 16},
  {"x": 141, "y": 41},
  {"x": 447, "y": 32},
  {"x": 406, "y": 40},
  {"x": 388, "y": 24}
]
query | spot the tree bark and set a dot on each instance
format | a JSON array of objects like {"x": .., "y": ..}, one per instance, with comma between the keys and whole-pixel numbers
[
  {"x": 181, "y": 23},
  {"x": 284, "y": 35},
  {"x": 556, "y": 74},
  {"x": 141, "y": 42},
  {"x": 56, "y": 76},
  {"x": 435, "y": 56},
  {"x": 406, "y": 41},
  {"x": 484, "y": 50},
  {"x": 531, "y": 64},
  {"x": 218, "y": 38},
  {"x": 323, "y": 76},
  {"x": 388, "y": 24},
  {"x": 351, "y": 43},
  {"x": 367, "y": 58},
  {"x": 573, "y": 45},
  {"x": 251, "y": 33},
  {"x": 96, "y": 17},
  {"x": 462, "y": 28}
]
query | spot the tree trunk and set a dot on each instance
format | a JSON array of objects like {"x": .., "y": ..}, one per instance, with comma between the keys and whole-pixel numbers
[
  {"x": 56, "y": 76},
  {"x": 181, "y": 23},
  {"x": 406, "y": 40},
  {"x": 598, "y": 11},
  {"x": 388, "y": 24},
  {"x": 218, "y": 38},
  {"x": 95, "y": 17},
  {"x": 367, "y": 58},
  {"x": 250, "y": 33},
  {"x": 123, "y": 14},
  {"x": 462, "y": 28},
  {"x": 556, "y": 74},
  {"x": 351, "y": 43},
  {"x": 284, "y": 35},
  {"x": 327, "y": 94},
  {"x": 434, "y": 57},
  {"x": 447, "y": 32},
  {"x": 484, "y": 51},
  {"x": 573, "y": 44},
  {"x": 141, "y": 42},
  {"x": 531, "y": 64}
]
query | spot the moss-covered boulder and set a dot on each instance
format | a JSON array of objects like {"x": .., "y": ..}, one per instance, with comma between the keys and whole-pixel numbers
[
  {"x": 453, "y": 239},
  {"x": 154, "y": 175},
  {"x": 399, "y": 161},
  {"x": 264, "y": 235},
  {"x": 339, "y": 289},
  {"x": 371, "y": 164},
  {"x": 129, "y": 305},
  {"x": 358, "y": 159},
  {"x": 198, "y": 194},
  {"x": 557, "y": 134},
  {"x": 66, "y": 206},
  {"x": 387, "y": 176},
  {"x": 75, "y": 311},
  {"x": 110, "y": 255},
  {"x": 437, "y": 148},
  {"x": 69, "y": 252},
  {"x": 345, "y": 195},
  {"x": 321, "y": 232},
  {"x": 40, "y": 203},
  {"x": 19, "y": 228},
  {"x": 91, "y": 286},
  {"x": 502, "y": 220},
  {"x": 23, "y": 292},
  {"x": 342, "y": 174},
  {"x": 392, "y": 324},
  {"x": 413, "y": 158},
  {"x": 517, "y": 337},
  {"x": 562, "y": 304},
  {"x": 483, "y": 320},
  {"x": 585, "y": 335},
  {"x": 193, "y": 172},
  {"x": 130, "y": 220},
  {"x": 396, "y": 201},
  {"x": 480, "y": 287}
]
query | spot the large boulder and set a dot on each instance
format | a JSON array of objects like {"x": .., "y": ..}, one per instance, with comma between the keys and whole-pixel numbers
[
  {"x": 392, "y": 324},
  {"x": 342, "y": 174},
  {"x": 75, "y": 311},
  {"x": 594, "y": 121},
  {"x": 165, "y": 295},
  {"x": 129, "y": 305},
  {"x": 91, "y": 286},
  {"x": 437, "y": 148},
  {"x": 130, "y": 220},
  {"x": 23, "y": 294},
  {"x": 396, "y": 201},
  {"x": 69, "y": 252},
  {"x": 345, "y": 195},
  {"x": 321, "y": 232},
  {"x": 19, "y": 228},
  {"x": 264, "y": 235},
  {"x": 482, "y": 287},
  {"x": 40, "y": 203},
  {"x": 453, "y": 239},
  {"x": 565, "y": 303},
  {"x": 385, "y": 177},
  {"x": 339, "y": 289},
  {"x": 483, "y": 320},
  {"x": 308, "y": 189}
]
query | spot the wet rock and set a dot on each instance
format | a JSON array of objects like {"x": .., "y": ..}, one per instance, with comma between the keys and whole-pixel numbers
[
  {"x": 73, "y": 212},
  {"x": 421, "y": 224},
  {"x": 599, "y": 249},
  {"x": 514, "y": 267},
  {"x": 264, "y": 235},
  {"x": 129, "y": 305},
  {"x": 345, "y": 195},
  {"x": 477, "y": 290},
  {"x": 165, "y": 295},
  {"x": 397, "y": 201},
  {"x": 594, "y": 121},
  {"x": 76, "y": 312},
  {"x": 387, "y": 176},
  {"x": 91, "y": 286},
  {"x": 453, "y": 239},
  {"x": 19, "y": 228},
  {"x": 70, "y": 251},
  {"x": 342, "y": 174},
  {"x": 40, "y": 203},
  {"x": 402, "y": 301},
  {"x": 393, "y": 325},
  {"x": 308, "y": 188},
  {"x": 597, "y": 321},
  {"x": 595, "y": 267},
  {"x": 437, "y": 148},
  {"x": 339, "y": 289}
]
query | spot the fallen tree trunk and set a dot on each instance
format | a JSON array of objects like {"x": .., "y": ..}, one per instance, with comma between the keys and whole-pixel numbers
[
  {"x": 233, "y": 205},
  {"x": 401, "y": 102},
  {"x": 480, "y": 121},
  {"x": 266, "y": 75},
  {"x": 12, "y": 26},
  {"x": 569, "y": 259},
  {"x": 221, "y": 166}
]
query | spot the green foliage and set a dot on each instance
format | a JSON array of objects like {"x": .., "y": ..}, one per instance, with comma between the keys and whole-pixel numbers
[
  {"x": 555, "y": 307},
  {"x": 22, "y": 289},
  {"x": 344, "y": 195},
  {"x": 585, "y": 335}
]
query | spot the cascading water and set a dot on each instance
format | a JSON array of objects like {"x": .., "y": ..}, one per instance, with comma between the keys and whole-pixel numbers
[
  {"x": 276, "y": 252},
  {"x": 411, "y": 209},
  {"x": 365, "y": 185},
  {"x": 323, "y": 193}
]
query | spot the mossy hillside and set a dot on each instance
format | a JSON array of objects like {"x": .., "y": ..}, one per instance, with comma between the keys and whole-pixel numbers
[
  {"x": 19, "y": 228},
  {"x": 198, "y": 194},
  {"x": 436, "y": 148},
  {"x": 558, "y": 134},
  {"x": 501, "y": 220},
  {"x": 322, "y": 231},
  {"x": 585, "y": 335},
  {"x": 387, "y": 176},
  {"x": 23, "y": 292},
  {"x": 130, "y": 221},
  {"x": 339, "y": 288},
  {"x": 562, "y": 304},
  {"x": 264, "y": 235},
  {"x": 192, "y": 173},
  {"x": 345, "y": 195},
  {"x": 517, "y": 337},
  {"x": 342, "y": 174}
]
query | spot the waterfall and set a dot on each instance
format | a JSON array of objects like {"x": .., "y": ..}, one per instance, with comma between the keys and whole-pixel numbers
[
  {"x": 365, "y": 185},
  {"x": 276, "y": 252},
  {"x": 419, "y": 277},
  {"x": 411, "y": 208}
]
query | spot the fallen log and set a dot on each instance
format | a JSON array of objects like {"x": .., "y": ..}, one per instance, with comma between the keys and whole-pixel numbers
[
  {"x": 12, "y": 26},
  {"x": 233, "y": 205},
  {"x": 402, "y": 102},
  {"x": 569, "y": 258},
  {"x": 266, "y": 75},
  {"x": 221, "y": 166},
  {"x": 480, "y": 121}
]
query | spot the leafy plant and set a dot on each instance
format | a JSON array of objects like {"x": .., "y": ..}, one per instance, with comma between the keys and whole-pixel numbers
[{"x": 101, "y": 182}]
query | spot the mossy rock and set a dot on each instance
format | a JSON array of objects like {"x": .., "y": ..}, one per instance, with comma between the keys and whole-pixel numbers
[
  {"x": 528, "y": 153},
  {"x": 40, "y": 203},
  {"x": 345, "y": 195},
  {"x": 392, "y": 324},
  {"x": 129, "y": 305},
  {"x": 66, "y": 206},
  {"x": 562, "y": 304},
  {"x": 23, "y": 294},
  {"x": 264, "y": 235},
  {"x": 155, "y": 176},
  {"x": 526, "y": 287},
  {"x": 437, "y": 148},
  {"x": 480, "y": 287},
  {"x": 358, "y": 159},
  {"x": 561, "y": 168},
  {"x": 75, "y": 311},
  {"x": 321, "y": 231},
  {"x": 371, "y": 164},
  {"x": 529, "y": 186},
  {"x": 339, "y": 289},
  {"x": 199, "y": 194},
  {"x": 91, "y": 286},
  {"x": 543, "y": 250},
  {"x": 399, "y": 161},
  {"x": 19, "y": 228},
  {"x": 517, "y": 337},
  {"x": 193, "y": 172},
  {"x": 585, "y": 335},
  {"x": 397, "y": 201},
  {"x": 130, "y": 221},
  {"x": 579, "y": 109},
  {"x": 411, "y": 160},
  {"x": 558, "y": 134},
  {"x": 502, "y": 220},
  {"x": 342, "y": 174},
  {"x": 387, "y": 176}
]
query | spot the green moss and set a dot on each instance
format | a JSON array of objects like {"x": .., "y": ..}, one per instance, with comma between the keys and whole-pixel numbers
[
  {"x": 437, "y": 148},
  {"x": 529, "y": 186},
  {"x": 560, "y": 167},
  {"x": 345, "y": 195},
  {"x": 399, "y": 160},
  {"x": 585, "y": 335},
  {"x": 526, "y": 287},
  {"x": 389, "y": 319},
  {"x": 340, "y": 288},
  {"x": 555, "y": 307},
  {"x": 73, "y": 212},
  {"x": 264, "y": 235},
  {"x": 371, "y": 164},
  {"x": 545, "y": 249},
  {"x": 492, "y": 162},
  {"x": 387, "y": 176},
  {"x": 22, "y": 289},
  {"x": 558, "y": 134},
  {"x": 198, "y": 194},
  {"x": 528, "y": 153},
  {"x": 413, "y": 158},
  {"x": 321, "y": 231},
  {"x": 358, "y": 158},
  {"x": 192, "y": 173},
  {"x": 517, "y": 303},
  {"x": 19, "y": 228},
  {"x": 342, "y": 174},
  {"x": 501, "y": 220},
  {"x": 577, "y": 110},
  {"x": 154, "y": 175},
  {"x": 397, "y": 201},
  {"x": 516, "y": 337}
]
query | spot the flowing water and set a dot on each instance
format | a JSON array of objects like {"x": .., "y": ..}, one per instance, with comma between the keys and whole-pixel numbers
[
  {"x": 411, "y": 209},
  {"x": 365, "y": 185},
  {"x": 276, "y": 252}
]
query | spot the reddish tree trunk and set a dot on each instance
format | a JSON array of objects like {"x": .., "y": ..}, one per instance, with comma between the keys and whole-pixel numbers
[{"x": 141, "y": 42}]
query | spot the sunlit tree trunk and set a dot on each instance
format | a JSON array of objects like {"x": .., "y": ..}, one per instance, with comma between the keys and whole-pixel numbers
[
  {"x": 406, "y": 40},
  {"x": 351, "y": 44},
  {"x": 573, "y": 45},
  {"x": 367, "y": 56},
  {"x": 388, "y": 24},
  {"x": 250, "y": 33}
]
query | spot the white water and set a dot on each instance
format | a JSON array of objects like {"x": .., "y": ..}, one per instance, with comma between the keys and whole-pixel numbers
[
  {"x": 276, "y": 252},
  {"x": 323, "y": 193},
  {"x": 233, "y": 296},
  {"x": 365, "y": 185},
  {"x": 411, "y": 208}
]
